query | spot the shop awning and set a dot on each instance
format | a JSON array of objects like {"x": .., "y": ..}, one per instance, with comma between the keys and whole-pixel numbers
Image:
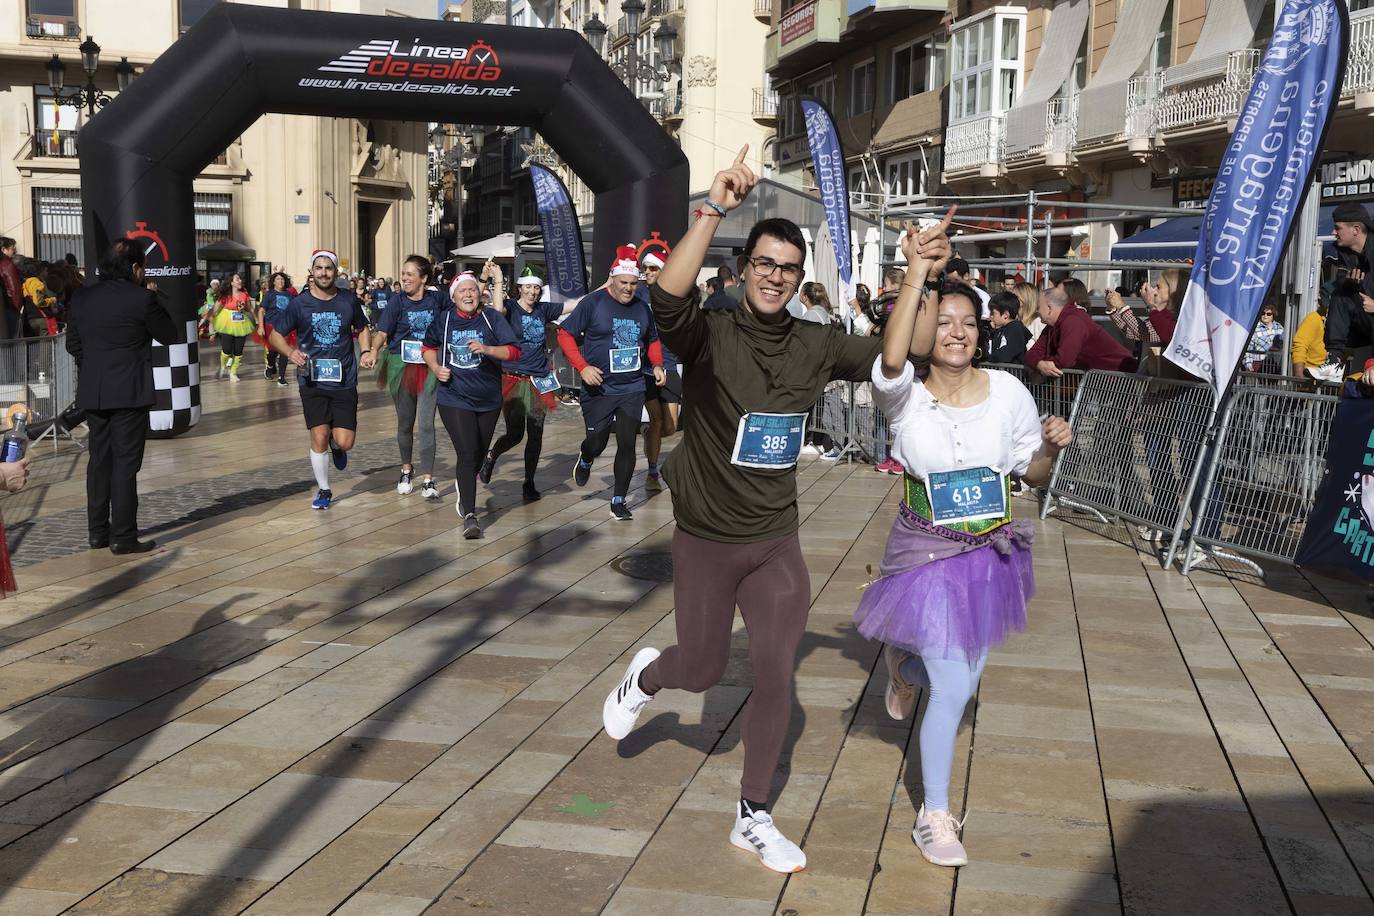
[
  {"x": 1058, "y": 49},
  {"x": 1176, "y": 239},
  {"x": 227, "y": 250}
]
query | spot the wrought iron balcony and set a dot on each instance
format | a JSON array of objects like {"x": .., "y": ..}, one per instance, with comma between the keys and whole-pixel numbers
[
  {"x": 763, "y": 10},
  {"x": 59, "y": 144},
  {"x": 765, "y": 106},
  {"x": 975, "y": 144}
]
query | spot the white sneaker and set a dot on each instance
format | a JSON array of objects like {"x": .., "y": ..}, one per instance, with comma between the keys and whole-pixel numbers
[
  {"x": 404, "y": 485},
  {"x": 623, "y": 705},
  {"x": 429, "y": 489},
  {"x": 754, "y": 831},
  {"x": 937, "y": 836},
  {"x": 900, "y": 696},
  {"x": 810, "y": 451}
]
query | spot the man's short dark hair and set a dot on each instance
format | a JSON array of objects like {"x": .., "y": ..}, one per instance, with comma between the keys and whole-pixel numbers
[
  {"x": 70, "y": 258},
  {"x": 1006, "y": 303},
  {"x": 7, "y": 242},
  {"x": 723, "y": 273},
  {"x": 957, "y": 266},
  {"x": 120, "y": 259},
  {"x": 784, "y": 230},
  {"x": 713, "y": 285}
]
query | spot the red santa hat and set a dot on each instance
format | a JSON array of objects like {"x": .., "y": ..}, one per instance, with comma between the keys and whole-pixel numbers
[
  {"x": 626, "y": 263},
  {"x": 653, "y": 259},
  {"x": 466, "y": 276},
  {"x": 324, "y": 253}
]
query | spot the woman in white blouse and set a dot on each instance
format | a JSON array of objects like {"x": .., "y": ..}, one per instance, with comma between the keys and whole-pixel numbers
[{"x": 957, "y": 571}]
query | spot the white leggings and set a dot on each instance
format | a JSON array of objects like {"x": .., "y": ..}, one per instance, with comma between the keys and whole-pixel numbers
[{"x": 951, "y": 683}]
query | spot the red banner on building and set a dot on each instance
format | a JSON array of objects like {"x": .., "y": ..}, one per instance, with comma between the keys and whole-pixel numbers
[{"x": 797, "y": 21}]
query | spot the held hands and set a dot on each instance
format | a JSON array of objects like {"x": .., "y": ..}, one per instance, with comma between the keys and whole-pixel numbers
[
  {"x": 928, "y": 247},
  {"x": 369, "y": 359},
  {"x": 660, "y": 376},
  {"x": 491, "y": 271},
  {"x": 591, "y": 375},
  {"x": 1114, "y": 302},
  {"x": 1055, "y": 435},
  {"x": 731, "y": 186},
  {"x": 14, "y": 474}
]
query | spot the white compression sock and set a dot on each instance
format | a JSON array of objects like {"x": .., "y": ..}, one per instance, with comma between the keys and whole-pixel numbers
[{"x": 319, "y": 463}]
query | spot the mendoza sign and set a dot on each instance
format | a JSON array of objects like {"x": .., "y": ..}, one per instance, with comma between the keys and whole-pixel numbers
[{"x": 1259, "y": 190}]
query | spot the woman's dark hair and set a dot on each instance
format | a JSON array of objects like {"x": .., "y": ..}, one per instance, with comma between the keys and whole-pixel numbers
[
  {"x": 422, "y": 266},
  {"x": 1075, "y": 289},
  {"x": 861, "y": 293},
  {"x": 225, "y": 290},
  {"x": 120, "y": 259},
  {"x": 1006, "y": 303},
  {"x": 285, "y": 280},
  {"x": 784, "y": 230},
  {"x": 962, "y": 289}
]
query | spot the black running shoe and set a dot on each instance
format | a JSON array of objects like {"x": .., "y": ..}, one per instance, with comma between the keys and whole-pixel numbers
[
  {"x": 471, "y": 530},
  {"x": 621, "y": 512},
  {"x": 581, "y": 472},
  {"x": 530, "y": 493},
  {"x": 488, "y": 465}
]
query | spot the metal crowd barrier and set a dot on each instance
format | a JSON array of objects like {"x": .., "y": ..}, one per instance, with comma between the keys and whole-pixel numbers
[
  {"x": 39, "y": 372},
  {"x": 1054, "y": 396},
  {"x": 1136, "y": 442},
  {"x": 1261, "y": 484}
]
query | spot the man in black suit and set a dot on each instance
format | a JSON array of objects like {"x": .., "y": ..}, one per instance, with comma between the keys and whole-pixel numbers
[{"x": 110, "y": 329}]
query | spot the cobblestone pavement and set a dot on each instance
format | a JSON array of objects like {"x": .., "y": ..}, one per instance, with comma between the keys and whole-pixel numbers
[{"x": 282, "y": 711}]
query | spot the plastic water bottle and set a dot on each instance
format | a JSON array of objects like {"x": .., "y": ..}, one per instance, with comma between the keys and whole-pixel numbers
[{"x": 16, "y": 441}]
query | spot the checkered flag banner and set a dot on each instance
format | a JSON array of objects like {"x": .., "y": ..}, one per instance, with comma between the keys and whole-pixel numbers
[{"x": 176, "y": 377}]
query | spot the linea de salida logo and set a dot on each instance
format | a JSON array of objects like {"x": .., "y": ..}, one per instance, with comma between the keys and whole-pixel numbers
[{"x": 414, "y": 60}]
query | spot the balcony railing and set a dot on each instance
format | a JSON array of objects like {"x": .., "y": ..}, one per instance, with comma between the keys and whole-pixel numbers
[
  {"x": 1359, "y": 71},
  {"x": 59, "y": 144},
  {"x": 765, "y": 105},
  {"x": 1061, "y": 128},
  {"x": 975, "y": 144},
  {"x": 61, "y": 29},
  {"x": 1216, "y": 99},
  {"x": 763, "y": 10}
]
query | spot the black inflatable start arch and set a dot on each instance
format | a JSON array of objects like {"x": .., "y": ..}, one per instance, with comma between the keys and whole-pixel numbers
[{"x": 140, "y": 154}]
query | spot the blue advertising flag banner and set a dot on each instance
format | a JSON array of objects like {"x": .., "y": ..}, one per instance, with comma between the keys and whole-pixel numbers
[
  {"x": 1264, "y": 176},
  {"x": 562, "y": 237},
  {"x": 828, "y": 159}
]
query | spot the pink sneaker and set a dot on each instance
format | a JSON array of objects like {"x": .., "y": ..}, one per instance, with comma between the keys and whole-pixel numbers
[
  {"x": 894, "y": 467},
  {"x": 937, "y": 836},
  {"x": 900, "y": 697},
  {"x": 882, "y": 467}
]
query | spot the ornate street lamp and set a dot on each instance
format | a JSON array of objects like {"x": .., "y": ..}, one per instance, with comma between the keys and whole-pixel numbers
[
  {"x": 89, "y": 96},
  {"x": 631, "y": 69}
]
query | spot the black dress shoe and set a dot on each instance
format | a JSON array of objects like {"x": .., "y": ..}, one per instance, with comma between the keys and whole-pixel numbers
[
  {"x": 132, "y": 547},
  {"x": 99, "y": 543}
]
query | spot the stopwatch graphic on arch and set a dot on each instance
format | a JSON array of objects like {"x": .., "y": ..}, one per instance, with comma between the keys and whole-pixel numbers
[{"x": 141, "y": 231}]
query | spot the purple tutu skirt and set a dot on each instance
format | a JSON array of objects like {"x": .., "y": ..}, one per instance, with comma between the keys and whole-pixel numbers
[{"x": 945, "y": 594}]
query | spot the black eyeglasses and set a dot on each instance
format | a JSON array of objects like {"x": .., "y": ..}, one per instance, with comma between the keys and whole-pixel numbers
[{"x": 764, "y": 267}]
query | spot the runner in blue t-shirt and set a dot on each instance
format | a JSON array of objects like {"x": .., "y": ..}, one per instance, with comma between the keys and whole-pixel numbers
[
  {"x": 401, "y": 368},
  {"x": 278, "y": 295},
  {"x": 528, "y": 385},
  {"x": 608, "y": 338},
  {"x": 323, "y": 318},
  {"x": 464, "y": 348}
]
